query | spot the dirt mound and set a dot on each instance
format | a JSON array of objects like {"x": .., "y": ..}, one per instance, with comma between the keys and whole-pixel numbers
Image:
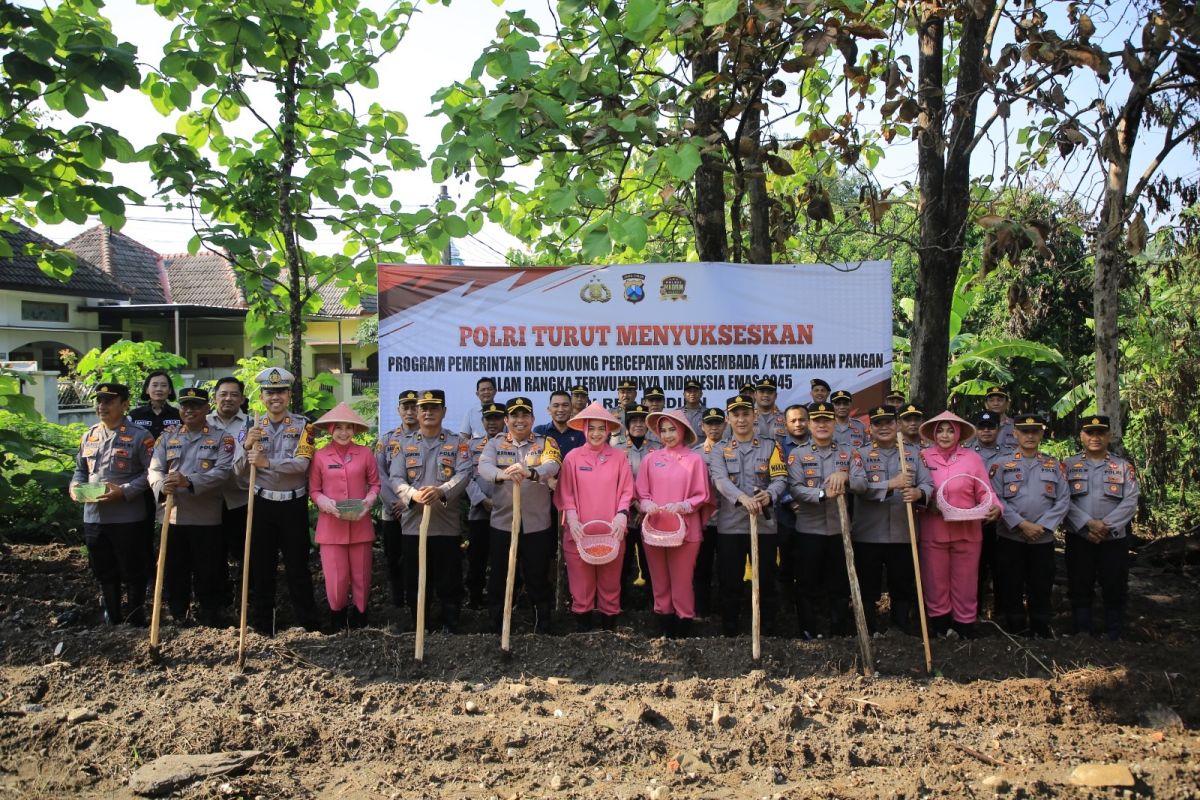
[{"x": 588, "y": 715}]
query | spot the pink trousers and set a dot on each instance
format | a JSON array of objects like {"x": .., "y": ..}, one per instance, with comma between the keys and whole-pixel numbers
[
  {"x": 950, "y": 578},
  {"x": 671, "y": 570},
  {"x": 593, "y": 587},
  {"x": 347, "y": 569}
]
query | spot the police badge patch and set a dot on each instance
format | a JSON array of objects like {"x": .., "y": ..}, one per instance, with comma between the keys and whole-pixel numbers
[{"x": 635, "y": 289}]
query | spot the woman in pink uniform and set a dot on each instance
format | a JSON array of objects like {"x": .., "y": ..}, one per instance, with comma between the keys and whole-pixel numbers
[
  {"x": 343, "y": 470},
  {"x": 674, "y": 479},
  {"x": 950, "y": 548},
  {"x": 595, "y": 483}
]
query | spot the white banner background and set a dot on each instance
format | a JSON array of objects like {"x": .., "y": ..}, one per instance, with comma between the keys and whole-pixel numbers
[{"x": 535, "y": 330}]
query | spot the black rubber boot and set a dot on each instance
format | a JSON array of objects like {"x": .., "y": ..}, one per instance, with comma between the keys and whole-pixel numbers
[
  {"x": 583, "y": 622},
  {"x": 839, "y": 620},
  {"x": 541, "y": 618},
  {"x": 110, "y": 603},
  {"x": 136, "y": 614},
  {"x": 683, "y": 628},
  {"x": 666, "y": 625},
  {"x": 608, "y": 622},
  {"x": 1114, "y": 623},
  {"x": 729, "y": 623},
  {"x": 967, "y": 630},
  {"x": 1081, "y": 622},
  {"x": 938, "y": 626},
  {"x": 496, "y": 618},
  {"x": 902, "y": 619},
  {"x": 357, "y": 619},
  {"x": 806, "y": 621},
  {"x": 337, "y": 621}
]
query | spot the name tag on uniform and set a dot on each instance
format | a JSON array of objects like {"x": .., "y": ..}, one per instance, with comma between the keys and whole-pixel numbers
[
  {"x": 333, "y": 465},
  {"x": 585, "y": 469}
]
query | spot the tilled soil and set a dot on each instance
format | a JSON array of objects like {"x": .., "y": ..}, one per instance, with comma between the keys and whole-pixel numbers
[{"x": 613, "y": 715}]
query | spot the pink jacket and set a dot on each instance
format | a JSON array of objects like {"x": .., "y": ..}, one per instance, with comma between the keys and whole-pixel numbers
[
  {"x": 595, "y": 484},
  {"x": 675, "y": 475},
  {"x": 346, "y": 473},
  {"x": 961, "y": 493}
]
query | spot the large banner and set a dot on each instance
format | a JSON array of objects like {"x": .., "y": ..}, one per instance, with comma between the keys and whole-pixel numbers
[{"x": 535, "y": 330}]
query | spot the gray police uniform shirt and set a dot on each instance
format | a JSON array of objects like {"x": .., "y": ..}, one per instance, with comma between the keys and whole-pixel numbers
[
  {"x": 990, "y": 455},
  {"x": 1007, "y": 437},
  {"x": 807, "y": 468},
  {"x": 540, "y": 453},
  {"x": 289, "y": 448},
  {"x": 1032, "y": 489},
  {"x": 879, "y": 513},
  {"x": 853, "y": 434},
  {"x": 1105, "y": 490},
  {"x": 695, "y": 418},
  {"x": 770, "y": 425},
  {"x": 478, "y": 490},
  {"x": 120, "y": 456},
  {"x": 236, "y": 491},
  {"x": 386, "y": 451},
  {"x": 205, "y": 458},
  {"x": 443, "y": 461},
  {"x": 739, "y": 468},
  {"x": 706, "y": 449},
  {"x": 634, "y": 453}
]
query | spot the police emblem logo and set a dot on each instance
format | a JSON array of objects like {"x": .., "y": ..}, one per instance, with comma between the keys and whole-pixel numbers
[
  {"x": 274, "y": 376},
  {"x": 594, "y": 291},
  {"x": 635, "y": 289},
  {"x": 672, "y": 288}
]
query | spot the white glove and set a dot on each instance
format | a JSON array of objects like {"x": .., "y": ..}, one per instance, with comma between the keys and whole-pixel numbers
[
  {"x": 327, "y": 506},
  {"x": 682, "y": 507},
  {"x": 620, "y": 524},
  {"x": 647, "y": 506},
  {"x": 573, "y": 524}
]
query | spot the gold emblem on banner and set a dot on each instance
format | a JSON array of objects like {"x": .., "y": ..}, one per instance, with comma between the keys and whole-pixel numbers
[
  {"x": 595, "y": 292},
  {"x": 672, "y": 288}
]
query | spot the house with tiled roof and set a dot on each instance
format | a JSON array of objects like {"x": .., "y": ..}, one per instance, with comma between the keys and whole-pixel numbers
[{"x": 41, "y": 316}]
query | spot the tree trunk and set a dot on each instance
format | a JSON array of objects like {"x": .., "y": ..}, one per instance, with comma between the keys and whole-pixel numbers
[
  {"x": 756, "y": 188},
  {"x": 944, "y": 181},
  {"x": 712, "y": 243},
  {"x": 297, "y": 284}
]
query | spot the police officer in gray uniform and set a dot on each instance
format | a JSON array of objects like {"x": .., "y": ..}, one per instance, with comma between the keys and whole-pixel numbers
[
  {"x": 280, "y": 445},
  {"x": 693, "y": 403},
  {"x": 115, "y": 453},
  {"x": 387, "y": 450},
  {"x": 987, "y": 445},
  {"x": 749, "y": 477},
  {"x": 230, "y": 415},
  {"x": 522, "y": 457},
  {"x": 480, "y": 513},
  {"x": 769, "y": 421},
  {"x": 847, "y": 431},
  {"x": 1104, "y": 498},
  {"x": 996, "y": 400},
  {"x": 637, "y": 442},
  {"x": 880, "y": 528},
  {"x": 1035, "y": 496},
  {"x": 818, "y": 473},
  {"x": 192, "y": 463},
  {"x": 432, "y": 471}
]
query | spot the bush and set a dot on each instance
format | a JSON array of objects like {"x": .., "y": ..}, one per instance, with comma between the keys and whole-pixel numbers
[{"x": 35, "y": 467}]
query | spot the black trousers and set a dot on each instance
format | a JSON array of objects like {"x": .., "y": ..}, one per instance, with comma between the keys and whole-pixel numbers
[
  {"x": 393, "y": 556},
  {"x": 987, "y": 570},
  {"x": 732, "y": 550},
  {"x": 280, "y": 528},
  {"x": 632, "y": 565},
  {"x": 702, "y": 578},
  {"x": 1106, "y": 561},
  {"x": 117, "y": 554},
  {"x": 821, "y": 575},
  {"x": 233, "y": 538},
  {"x": 871, "y": 560},
  {"x": 535, "y": 552},
  {"x": 195, "y": 560},
  {"x": 479, "y": 532},
  {"x": 1025, "y": 576},
  {"x": 443, "y": 572}
]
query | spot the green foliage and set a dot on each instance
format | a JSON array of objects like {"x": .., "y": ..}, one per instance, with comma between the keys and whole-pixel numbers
[
  {"x": 62, "y": 57},
  {"x": 128, "y": 363},
  {"x": 317, "y": 394},
  {"x": 36, "y": 462}
]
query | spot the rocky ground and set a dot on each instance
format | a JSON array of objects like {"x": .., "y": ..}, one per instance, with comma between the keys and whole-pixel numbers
[{"x": 613, "y": 715}]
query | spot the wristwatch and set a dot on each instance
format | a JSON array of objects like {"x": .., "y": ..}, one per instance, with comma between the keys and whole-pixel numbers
[{"x": 533, "y": 474}]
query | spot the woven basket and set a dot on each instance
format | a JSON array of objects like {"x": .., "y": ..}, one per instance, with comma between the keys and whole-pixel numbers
[
  {"x": 663, "y": 528},
  {"x": 956, "y": 514},
  {"x": 598, "y": 545}
]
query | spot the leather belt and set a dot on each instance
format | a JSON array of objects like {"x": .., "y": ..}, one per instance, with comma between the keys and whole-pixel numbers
[{"x": 290, "y": 494}]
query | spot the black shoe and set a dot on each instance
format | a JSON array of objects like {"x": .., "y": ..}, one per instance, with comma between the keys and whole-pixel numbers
[
  {"x": 1081, "y": 621},
  {"x": 450, "y": 617},
  {"x": 541, "y": 618},
  {"x": 839, "y": 621},
  {"x": 683, "y": 628},
  {"x": 476, "y": 603},
  {"x": 355, "y": 618},
  {"x": 496, "y": 619},
  {"x": 939, "y": 626},
  {"x": 1041, "y": 630},
  {"x": 608, "y": 622},
  {"x": 212, "y": 618},
  {"x": 967, "y": 630},
  {"x": 110, "y": 603},
  {"x": 666, "y": 625},
  {"x": 583, "y": 622},
  {"x": 338, "y": 621}
]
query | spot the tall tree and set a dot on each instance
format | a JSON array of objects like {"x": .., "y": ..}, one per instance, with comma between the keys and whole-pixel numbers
[
  {"x": 653, "y": 128},
  {"x": 289, "y": 67},
  {"x": 59, "y": 59}
]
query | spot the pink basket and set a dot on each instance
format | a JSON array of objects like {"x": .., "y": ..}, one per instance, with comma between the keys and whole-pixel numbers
[
  {"x": 598, "y": 545},
  {"x": 956, "y": 514},
  {"x": 663, "y": 528}
]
